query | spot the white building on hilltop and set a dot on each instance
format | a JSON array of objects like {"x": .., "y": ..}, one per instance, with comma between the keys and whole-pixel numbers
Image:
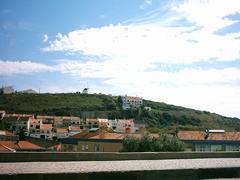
[{"x": 129, "y": 102}]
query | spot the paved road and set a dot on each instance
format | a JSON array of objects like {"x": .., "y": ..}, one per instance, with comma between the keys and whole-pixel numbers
[{"x": 111, "y": 166}]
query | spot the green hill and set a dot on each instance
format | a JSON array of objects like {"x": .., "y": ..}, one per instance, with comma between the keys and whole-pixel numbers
[{"x": 162, "y": 116}]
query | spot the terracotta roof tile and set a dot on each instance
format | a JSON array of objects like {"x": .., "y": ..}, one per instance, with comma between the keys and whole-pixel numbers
[
  {"x": 200, "y": 135},
  {"x": 84, "y": 135},
  {"x": 62, "y": 130},
  {"x": 46, "y": 126},
  {"x": 109, "y": 136},
  {"x": 18, "y": 145},
  {"x": 74, "y": 128}
]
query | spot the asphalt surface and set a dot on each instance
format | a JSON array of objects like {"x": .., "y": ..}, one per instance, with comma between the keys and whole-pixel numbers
[{"x": 115, "y": 166}]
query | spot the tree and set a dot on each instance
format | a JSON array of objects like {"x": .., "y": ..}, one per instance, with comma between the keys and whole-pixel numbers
[
  {"x": 130, "y": 144},
  {"x": 21, "y": 134},
  {"x": 164, "y": 143}
]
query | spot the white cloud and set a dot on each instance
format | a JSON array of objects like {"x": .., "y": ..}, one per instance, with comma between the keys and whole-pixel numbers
[
  {"x": 45, "y": 38},
  {"x": 22, "y": 67},
  {"x": 159, "y": 42},
  {"x": 209, "y": 14}
]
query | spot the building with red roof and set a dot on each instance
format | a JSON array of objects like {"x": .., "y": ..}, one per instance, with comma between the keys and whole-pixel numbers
[
  {"x": 13, "y": 146},
  {"x": 210, "y": 140}
]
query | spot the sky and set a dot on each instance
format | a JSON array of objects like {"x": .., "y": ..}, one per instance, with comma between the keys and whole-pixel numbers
[{"x": 184, "y": 53}]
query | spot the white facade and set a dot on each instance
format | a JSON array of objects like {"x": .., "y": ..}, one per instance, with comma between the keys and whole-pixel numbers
[
  {"x": 131, "y": 102},
  {"x": 113, "y": 124}
]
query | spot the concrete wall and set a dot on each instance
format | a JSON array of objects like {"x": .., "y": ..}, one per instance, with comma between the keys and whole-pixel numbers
[
  {"x": 124, "y": 170},
  {"x": 80, "y": 156},
  {"x": 137, "y": 175}
]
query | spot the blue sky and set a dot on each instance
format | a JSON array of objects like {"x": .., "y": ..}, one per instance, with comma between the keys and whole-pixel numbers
[{"x": 179, "y": 52}]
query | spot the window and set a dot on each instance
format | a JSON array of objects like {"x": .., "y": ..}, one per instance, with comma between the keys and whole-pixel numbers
[
  {"x": 85, "y": 147},
  {"x": 96, "y": 147},
  {"x": 232, "y": 148},
  {"x": 202, "y": 147}
]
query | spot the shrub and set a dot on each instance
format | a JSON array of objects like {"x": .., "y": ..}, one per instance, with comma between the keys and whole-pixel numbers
[{"x": 164, "y": 143}]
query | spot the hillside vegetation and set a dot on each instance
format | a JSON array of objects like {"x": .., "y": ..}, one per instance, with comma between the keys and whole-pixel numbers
[{"x": 161, "y": 117}]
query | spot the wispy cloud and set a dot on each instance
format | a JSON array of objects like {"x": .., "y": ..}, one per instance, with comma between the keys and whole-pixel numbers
[
  {"x": 45, "y": 38},
  {"x": 145, "y": 4},
  {"x": 22, "y": 67}
]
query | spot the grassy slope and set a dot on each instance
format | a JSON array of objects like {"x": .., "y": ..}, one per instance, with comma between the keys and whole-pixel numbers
[{"x": 162, "y": 115}]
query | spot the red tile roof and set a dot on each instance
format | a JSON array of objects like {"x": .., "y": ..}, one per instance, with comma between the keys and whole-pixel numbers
[
  {"x": 20, "y": 145},
  {"x": 84, "y": 135},
  {"x": 107, "y": 135},
  {"x": 46, "y": 126},
  {"x": 74, "y": 128},
  {"x": 62, "y": 130},
  {"x": 200, "y": 135}
]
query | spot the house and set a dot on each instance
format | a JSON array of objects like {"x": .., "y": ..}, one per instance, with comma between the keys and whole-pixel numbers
[
  {"x": 71, "y": 144},
  {"x": 210, "y": 140},
  {"x": 59, "y": 121},
  {"x": 13, "y": 146},
  {"x": 8, "y": 136},
  {"x": 34, "y": 128},
  {"x": 46, "y": 119},
  {"x": 100, "y": 141},
  {"x": 103, "y": 142},
  {"x": 125, "y": 125},
  {"x": 71, "y": 120},
  {"x": 96, "y": 123},
  {"x": 113, "y": 124},
  {"x": 46, "y": 131},
  {"x": 129, "y": 102},
  {"x": 16, "y": 122},
  {"x": 62, "y": 133},
  {"x": 73, "y": 129}
]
